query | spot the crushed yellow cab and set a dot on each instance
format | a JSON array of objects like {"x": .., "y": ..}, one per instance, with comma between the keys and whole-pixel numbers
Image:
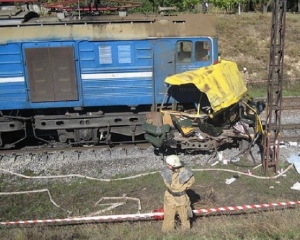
[
  {"x": 222, "y": 83},
  {"x": 205, "y": 109}
]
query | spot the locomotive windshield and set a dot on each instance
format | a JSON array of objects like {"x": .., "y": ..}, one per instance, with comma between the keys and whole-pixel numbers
[
  {"x": 201, "y": 51},
  {"x": 184, "y": 51}
]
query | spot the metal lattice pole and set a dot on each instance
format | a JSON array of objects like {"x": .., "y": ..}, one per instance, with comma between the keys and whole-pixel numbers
[{"x": 271, "y": 139}]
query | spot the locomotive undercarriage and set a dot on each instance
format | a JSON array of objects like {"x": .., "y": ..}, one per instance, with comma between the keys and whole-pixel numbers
[
  {"x": 90, "y": 128},
  {"x": 71, "y": 128},
  {"x": 12, "y": 131}
]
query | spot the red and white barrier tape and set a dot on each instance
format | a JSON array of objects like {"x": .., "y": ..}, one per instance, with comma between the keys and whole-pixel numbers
[
  {"x": 156, "y": 215},
  {"x": 108, "y": 218},
  {"x": 246, "y": 207}
]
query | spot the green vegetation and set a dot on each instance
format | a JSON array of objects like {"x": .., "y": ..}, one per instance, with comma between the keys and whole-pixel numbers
[
  {"x": 210, "y": 191},
  {"x": 217, "y": 5}
]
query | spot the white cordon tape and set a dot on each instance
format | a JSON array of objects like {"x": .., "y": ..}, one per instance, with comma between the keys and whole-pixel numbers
[{"x": 147, "y": 216}]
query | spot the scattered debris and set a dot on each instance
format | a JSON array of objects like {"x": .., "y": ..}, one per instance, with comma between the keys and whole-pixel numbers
[
  {"x": 220, "y": 159},
  {"x": 296, "y": 186},
  {"x": 230, "y": 180},
  {"x": 215, "y": 163},
  {"x": 248, "y": 172},
  {"x": 235, "y": 159},
  {"x": 225, "y": 161},
  {"x": 220, "y": 155},
  {"x": 295, "y": 159},
  {"x": 293, "y": 143}
]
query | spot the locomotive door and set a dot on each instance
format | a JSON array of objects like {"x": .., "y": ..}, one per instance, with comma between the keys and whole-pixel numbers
[
  {"x": 51, "y": 74},
  {"x": 164, "y": 66}
]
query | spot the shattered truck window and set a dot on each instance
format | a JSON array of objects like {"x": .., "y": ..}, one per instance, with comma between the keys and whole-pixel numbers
[
  {"x": 184, "y": 51},
  {"x": 202, "y": 52}
]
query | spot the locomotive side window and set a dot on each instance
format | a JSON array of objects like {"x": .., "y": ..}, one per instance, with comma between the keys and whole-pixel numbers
[
  {"x": 124, "y": 54},
  {"x": 105, "y": 55},
  {"x": 115, "y": 54},
  {"x": 202, "y": 51},
  {"x": 184, "y": 51}
]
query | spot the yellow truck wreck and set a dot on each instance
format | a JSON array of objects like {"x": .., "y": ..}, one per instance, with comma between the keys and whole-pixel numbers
[{"x": 205, "y": 109}]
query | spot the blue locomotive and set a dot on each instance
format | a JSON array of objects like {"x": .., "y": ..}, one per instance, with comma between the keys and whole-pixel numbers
[{"x": 93, "y": 79}]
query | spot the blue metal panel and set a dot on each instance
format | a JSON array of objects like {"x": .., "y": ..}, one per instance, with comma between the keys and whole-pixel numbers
[
  {"x": 215, "y": 50},
  {"x": 109, "y": 72},
  {"x": 116, "y": 73},
  {"x": 12, "y": 95},
  {"x": 12, "y": 81},
  {"x": 118, "y": 91},
  {"x": 10, "y": 60}
]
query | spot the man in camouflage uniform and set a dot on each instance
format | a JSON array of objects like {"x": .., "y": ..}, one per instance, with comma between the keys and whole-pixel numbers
[{"x": 177, "y": 179}]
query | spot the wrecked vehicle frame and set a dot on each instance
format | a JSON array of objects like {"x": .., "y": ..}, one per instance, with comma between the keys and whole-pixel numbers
[{"x": 204, "y": 110}]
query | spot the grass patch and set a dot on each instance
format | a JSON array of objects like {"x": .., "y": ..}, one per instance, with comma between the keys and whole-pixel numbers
[
  {"x": 245, "y": 39},
  {"x": 209, "y": 191},
  {"x": 257, "y": 90}
]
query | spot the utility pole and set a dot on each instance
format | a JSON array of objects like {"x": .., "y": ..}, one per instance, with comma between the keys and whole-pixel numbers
[{"x": 271, "y": 138}]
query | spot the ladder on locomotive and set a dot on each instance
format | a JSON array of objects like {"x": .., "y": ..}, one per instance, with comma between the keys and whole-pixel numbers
[{"x": 271, "y": 138}]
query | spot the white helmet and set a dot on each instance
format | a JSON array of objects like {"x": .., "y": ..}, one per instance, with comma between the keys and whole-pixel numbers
[{"x": 173, "y": 160}]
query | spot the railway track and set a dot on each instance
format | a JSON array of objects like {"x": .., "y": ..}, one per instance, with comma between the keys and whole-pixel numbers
[
  {"x": 290, "y": 132},
  {"x": 290, "y": 126},
  {"x": 288, "y": 103}
]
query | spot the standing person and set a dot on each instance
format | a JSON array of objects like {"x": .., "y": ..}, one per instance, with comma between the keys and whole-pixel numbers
[
  {"x": 204, "y": 6},
  {"x": 178, "y": 179}
]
